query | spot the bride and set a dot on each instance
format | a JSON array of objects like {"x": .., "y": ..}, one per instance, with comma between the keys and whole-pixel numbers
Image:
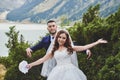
[{"x": 62, "y": 51}]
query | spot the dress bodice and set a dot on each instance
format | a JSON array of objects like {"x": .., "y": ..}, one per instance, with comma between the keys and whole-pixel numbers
[
  {"x": 65, "y": 69},
  {"x": 62, "y": 57}
]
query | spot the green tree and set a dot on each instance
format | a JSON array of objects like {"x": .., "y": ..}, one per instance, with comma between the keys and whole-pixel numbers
[
  {"x": 111, "y": 69},
  {"x": 17, "y": 53},
  {"x": 91, "y": 30},
  {"x": 93, "y": 12}
]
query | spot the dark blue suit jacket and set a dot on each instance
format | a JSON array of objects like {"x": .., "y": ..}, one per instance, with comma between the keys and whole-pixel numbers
[{"x": 44, "y": 43}]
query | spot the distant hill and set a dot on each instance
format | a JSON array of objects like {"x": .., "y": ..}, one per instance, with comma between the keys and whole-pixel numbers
[{"x": 40, "y": 10}]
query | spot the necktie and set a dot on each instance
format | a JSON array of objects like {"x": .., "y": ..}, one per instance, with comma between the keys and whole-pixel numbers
[{"x": 52, "y": 37}]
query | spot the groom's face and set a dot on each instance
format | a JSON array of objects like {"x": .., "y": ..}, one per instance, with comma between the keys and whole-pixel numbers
[{"x": 52, "y": 27}]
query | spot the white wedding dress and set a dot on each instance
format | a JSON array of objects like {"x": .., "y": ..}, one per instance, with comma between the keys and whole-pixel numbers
[{"x": 65, "y": 70}]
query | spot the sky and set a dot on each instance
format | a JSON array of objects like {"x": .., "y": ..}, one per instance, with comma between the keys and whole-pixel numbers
[{"x": 11, "y": 4}]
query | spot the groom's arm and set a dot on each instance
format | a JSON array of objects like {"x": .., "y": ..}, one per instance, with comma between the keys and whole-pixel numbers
[
  {"x": 38, "y": 46},
  {"x": 44, "y": 43}
]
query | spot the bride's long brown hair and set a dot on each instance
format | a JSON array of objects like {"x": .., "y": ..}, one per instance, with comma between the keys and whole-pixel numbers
[{"x": 67, "y": 43}]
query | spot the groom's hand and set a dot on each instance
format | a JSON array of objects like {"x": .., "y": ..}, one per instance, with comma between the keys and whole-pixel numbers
[
  {"x": 28, "y": 51},
  {"x": 88, "y": 52}
]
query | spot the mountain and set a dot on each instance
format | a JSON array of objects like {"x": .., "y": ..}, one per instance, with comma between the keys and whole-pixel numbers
[
  {"x": 40, "y": 10},
  {"x": 10, "y": 5},
  {"x": 7, "y": 5}
]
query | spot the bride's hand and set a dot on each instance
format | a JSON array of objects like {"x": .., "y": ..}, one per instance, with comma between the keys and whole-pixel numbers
[
  {"x": 102, "y": 41},
  {"x": 28, "y": 66}
]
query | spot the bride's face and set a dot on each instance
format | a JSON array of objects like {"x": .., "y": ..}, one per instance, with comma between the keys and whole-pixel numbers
[{"x": 62, "y": 39}]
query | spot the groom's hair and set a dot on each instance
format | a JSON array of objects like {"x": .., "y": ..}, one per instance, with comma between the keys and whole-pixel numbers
[{"x": 50, "y": 21}]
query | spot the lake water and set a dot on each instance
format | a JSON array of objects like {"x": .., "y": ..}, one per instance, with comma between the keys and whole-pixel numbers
[{"x": 31, "y": 33}]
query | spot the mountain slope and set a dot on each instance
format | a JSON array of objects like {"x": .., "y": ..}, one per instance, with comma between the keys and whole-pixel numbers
[{"x": 38, "y": 10}]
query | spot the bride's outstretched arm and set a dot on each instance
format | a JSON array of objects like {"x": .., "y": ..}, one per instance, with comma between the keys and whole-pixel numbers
[
  {"x": 88, "y": 46},
  {"x": 39, "y": 61}
]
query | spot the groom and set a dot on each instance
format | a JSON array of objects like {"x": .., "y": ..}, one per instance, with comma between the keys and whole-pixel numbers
[{"x": 46, "y": 41}]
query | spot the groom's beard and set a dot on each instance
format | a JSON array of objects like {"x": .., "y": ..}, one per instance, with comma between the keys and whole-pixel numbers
[{"x": 53, "y": 32}]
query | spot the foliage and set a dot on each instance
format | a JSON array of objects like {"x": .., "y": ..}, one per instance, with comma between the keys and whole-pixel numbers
[
  {"x": 111, "y": 69},
  {"x": 17, "y": 53},
  {"x": 5, "y": 61},
  {"x": 92, "y": 13},
  {"x": 95, "y": 28}
]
